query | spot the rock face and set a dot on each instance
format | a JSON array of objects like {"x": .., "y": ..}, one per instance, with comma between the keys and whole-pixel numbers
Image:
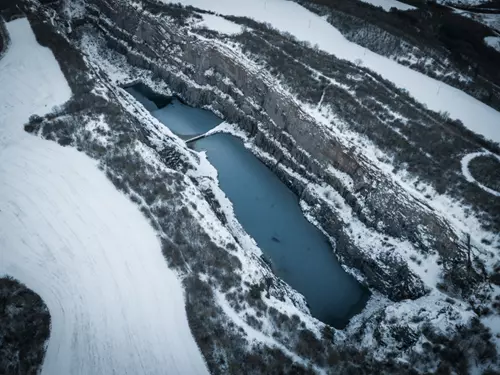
[
  {"x": 278, "y": 126},
  {"x": 205, "y": 74}
]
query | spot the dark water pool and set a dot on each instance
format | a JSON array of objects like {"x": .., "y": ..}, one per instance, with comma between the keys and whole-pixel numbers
[{"x": 270, "y": 213}]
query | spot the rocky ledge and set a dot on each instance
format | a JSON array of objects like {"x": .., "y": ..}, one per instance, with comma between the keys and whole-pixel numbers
[{"x": 206, "y": 73}]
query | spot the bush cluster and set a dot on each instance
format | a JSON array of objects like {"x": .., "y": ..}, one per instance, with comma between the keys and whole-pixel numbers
[{"x": 24, "y": 329}]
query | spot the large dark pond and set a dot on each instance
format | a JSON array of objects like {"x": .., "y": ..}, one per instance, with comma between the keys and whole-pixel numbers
[{"x": 270, "y": 213}]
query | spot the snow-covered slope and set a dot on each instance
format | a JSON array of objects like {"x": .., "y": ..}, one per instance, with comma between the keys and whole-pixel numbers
[
  {"x": 305, "y": 25},
  {"x": 66, "y": 233}
]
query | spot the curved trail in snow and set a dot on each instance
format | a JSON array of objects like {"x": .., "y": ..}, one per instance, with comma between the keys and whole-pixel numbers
[
  {"x": 70, "y": 236},
  {"x": 468, "y": 175}
]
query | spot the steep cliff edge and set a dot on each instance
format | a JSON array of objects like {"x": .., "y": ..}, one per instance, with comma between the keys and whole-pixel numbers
[{"x": 206, "y": 71}]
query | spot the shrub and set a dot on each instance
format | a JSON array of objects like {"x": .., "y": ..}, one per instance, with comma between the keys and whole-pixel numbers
[{"x": 24, "y": 329}]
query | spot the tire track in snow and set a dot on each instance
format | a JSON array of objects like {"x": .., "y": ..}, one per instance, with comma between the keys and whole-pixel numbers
[
  {"x": 468, "y": 175},
  {"x": 69, "y": 235}
]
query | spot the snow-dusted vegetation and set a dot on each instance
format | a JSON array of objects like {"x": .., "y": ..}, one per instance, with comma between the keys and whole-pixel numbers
[
  {"x": 442, "y": 42},
  {"x": 24, "y": 329},
  {"x": 463, "y": 2},
  {"x": 376, "y": 170}
]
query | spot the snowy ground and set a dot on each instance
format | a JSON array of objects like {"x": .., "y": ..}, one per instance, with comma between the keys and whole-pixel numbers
[
  {"x": 220, "y": 24},
  {"x": 305, "y": 25},
  {"x": 388, "y": 4},
  {"x": 69, "y": 235},
  {"x": 493, "y": 41}
]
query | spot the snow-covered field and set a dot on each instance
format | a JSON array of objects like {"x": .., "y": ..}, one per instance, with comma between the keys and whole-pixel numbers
[
  {"x": 305, "y": 25},
  {"x": 388, "y": 4},
  {"x": 69, "y": 235}
]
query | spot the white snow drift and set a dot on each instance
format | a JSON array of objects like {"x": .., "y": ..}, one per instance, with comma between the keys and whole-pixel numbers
[
  {"x": 493, "y": 41},
  {"x": 388, "y": 4},
  {"x": 220, "y": 24},
  {"x": 69, "y": 235},
  {"x": 288, "y": 16}
]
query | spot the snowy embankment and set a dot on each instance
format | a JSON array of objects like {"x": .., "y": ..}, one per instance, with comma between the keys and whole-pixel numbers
[
  {"x": 290, "y": 17},
  {"x": 68, "y": 234}
]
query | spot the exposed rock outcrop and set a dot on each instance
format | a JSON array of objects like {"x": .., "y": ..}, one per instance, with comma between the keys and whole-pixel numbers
[{"x": 278, "y": 126}]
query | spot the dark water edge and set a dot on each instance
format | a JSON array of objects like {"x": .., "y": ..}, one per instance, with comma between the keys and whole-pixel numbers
[{"x": 147, "y": 97}]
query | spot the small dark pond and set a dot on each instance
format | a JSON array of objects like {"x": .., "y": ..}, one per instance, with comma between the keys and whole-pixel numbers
[{"x": 270, "y": 213}]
